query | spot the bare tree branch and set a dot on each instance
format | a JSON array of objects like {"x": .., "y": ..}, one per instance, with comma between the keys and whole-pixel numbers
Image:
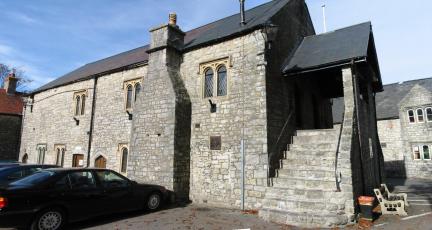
[{"x": 23, "y": 80}]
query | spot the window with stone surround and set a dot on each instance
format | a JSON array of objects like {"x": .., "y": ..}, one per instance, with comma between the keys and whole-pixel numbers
[
  {"x": 222, "y": 81},
  {"x": 422, "y": 151},
  {"x": 41, "y": 149},
  {"x": 60, "y": 154},
  {"x": 411, "y": 118},
  {"x": 208, "y": 83},
  {"x": 419, "y": 113},
  {"x": 132, "y": 89},
  {"x": 79, "y": 102},
  {"x": 124, "y": 158},
  {"x": 428, "y": 114},
  {"x": 215, "y": 77}
]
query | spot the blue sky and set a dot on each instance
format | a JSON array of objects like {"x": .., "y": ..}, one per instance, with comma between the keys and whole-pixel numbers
[{"x": 48, "y": 38}]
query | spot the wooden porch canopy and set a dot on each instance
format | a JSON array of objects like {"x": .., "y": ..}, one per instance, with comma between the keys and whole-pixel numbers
[{"x": 323, "y": 55}]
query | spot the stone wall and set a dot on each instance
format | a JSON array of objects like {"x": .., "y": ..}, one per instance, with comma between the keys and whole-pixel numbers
[
  {"x": 10, "y": 133},
  {"x": 416, "y": 134},
  {"x": 391, "y": 143},
  {"x": 51, "y": 120},
  {"x": 241, "y": 114}
]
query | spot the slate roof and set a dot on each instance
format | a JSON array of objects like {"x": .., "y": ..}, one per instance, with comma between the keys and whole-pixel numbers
[
  {"x": 327, "y": 49},
  {"x": 10, "y": 103},
  {"x": 211, "y": 33},
  {"x": 387, "y": 102}
]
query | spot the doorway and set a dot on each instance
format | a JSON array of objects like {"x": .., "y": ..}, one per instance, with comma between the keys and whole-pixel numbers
[
  {"x": 100, "y": 162},
  {"x": 78, "y": 160}
]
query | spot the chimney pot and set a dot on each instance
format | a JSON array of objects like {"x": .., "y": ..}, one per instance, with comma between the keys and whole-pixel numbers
[
  {"x": 10, "y": 83},
  {"x": 173, "y": 19}
]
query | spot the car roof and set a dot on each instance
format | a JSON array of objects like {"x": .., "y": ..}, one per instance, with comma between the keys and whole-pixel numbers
[{"x": 77, "y": 169}]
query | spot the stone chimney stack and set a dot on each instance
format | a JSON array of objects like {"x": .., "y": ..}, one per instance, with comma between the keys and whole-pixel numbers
[
  {"x": 10, "y": 83},
  {"x": 162, "y": 116}
]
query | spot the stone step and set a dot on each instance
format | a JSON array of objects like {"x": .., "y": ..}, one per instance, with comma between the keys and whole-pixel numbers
[
  {"x": 314, "y": 132},
  {"x": 314, "y": 146},
  {"x": 302, "y": 204},
  {"x": 308, "y": 194},
  {"x": 303, "y": 219},
  {"x": 304, "y": 183},
  {"x": 314, "y": 153},
  {"x": 289, "y": 167},
  {"x": 306, "y": 173},
  {"x": 313, "y": 139},
  {"x": 299, "y": 161}
]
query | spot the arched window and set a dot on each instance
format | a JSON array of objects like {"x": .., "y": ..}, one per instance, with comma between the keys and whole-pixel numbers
[
  {"x": 41, "y": 155},
  {"x": 222, "y": 81},
  {"x": 83, "y": 99},
  {"x": 420, "y": 115},
  {"x": 124, "y": 160},
  {"x": 24, "y": 158},
  {"x": 137, "y": 90},
  {"x": 208, "y": 83},
  {"x": 129, "y": 97},
  {"x": 62, "y": 157},
  {"x": 429, "y": 114},
  {"x": 58, "y": 156},
  {"x": 426, "y": 154},
  {"x": 411, "y": 118},
  {"x": 77, "y": 105}
]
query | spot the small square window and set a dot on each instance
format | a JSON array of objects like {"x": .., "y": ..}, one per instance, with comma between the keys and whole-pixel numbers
[
  {"x": 215, "y": 143},
  {"x": 383, "y": 145}
]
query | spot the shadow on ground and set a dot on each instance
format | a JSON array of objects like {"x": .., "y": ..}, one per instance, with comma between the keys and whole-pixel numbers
[{"x": 111, "y": 218}]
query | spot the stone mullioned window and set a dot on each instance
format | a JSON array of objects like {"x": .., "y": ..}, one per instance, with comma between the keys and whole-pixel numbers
[
  {"x": 215, "y": 77},
  {"x": 60, "y": 154},
  {"x": 80, "y": 102},
  {"x": 132, "y": 89}
]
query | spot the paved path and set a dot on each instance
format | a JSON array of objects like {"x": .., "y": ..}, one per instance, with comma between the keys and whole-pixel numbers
[
  {"x": 420, "y": 210},
  {"x": 188, "y": 217}
]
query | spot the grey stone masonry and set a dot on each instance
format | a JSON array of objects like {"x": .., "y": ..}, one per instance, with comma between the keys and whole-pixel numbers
[
  {"x": 160, "y": 151},
  {"x": 417, "y": 134},
  {"x": 304, "y": 190}
]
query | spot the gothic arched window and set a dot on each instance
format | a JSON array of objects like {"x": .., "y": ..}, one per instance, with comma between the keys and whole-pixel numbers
[
  {"x": 208, "y": 83},
  {"x": 83, "y": 100},
  {"x": 137, "y": 90},
  {"x": 77, "y": 105},
  {"x": 429, "y": 114},
  {"x": 222, "y": 81},
  {"x": 124, "y": 158},
  {"x": 129, "y": 97}
]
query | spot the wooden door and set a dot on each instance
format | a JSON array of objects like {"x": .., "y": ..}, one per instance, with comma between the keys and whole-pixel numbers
[
  {"x": 78, "y": 160},
  {"x": 100, "y": 162}
]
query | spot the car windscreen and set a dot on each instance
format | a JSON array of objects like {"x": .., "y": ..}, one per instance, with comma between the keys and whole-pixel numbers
[{"x": 35, "y": 178}]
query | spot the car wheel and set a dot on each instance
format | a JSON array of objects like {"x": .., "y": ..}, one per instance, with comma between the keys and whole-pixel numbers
[
  {"x": 154, "y": 201},
  {"x": 49, "y": 219}
]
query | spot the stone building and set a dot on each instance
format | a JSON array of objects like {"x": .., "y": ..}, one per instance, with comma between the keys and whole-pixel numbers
[
  {"x": 404, "y": 113},
  {"x": 11, "y": 108},
  {"x": 236, "y": 113}
]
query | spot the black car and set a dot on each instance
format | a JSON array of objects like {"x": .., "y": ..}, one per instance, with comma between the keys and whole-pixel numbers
[
  {"x": 51, "y": 198},
  {"x": 12, "y": 172}
]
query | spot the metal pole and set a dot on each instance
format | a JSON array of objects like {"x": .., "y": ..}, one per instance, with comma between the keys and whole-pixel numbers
[
  {"x": 242, "y": 173},
  {"x": 324, "y": 18}
]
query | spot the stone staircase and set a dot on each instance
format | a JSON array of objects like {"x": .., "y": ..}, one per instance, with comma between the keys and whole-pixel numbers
[{"x": 304, "y": 189}]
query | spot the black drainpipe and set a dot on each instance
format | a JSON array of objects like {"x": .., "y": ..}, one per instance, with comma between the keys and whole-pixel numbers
[{"x": 90, "y": 133}]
